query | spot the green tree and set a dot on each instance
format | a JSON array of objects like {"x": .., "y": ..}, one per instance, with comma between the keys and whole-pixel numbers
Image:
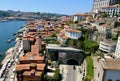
[
  {"x": 105, "y": 15},
  {"x": 80, "y": 44},
  {"x": 90, "y": 46},
  {"x": 116, "y": 24},
  {"x": 76, "y": 22},
  {"x": 118, "y": 2},
  {"x": 56, "y": 75},
  {"x": 69, "y": 23},
  {"x": 116, "y": 15}
]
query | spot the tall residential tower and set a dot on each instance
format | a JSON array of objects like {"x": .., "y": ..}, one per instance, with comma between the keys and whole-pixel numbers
[{"x": 98, "y": 4}]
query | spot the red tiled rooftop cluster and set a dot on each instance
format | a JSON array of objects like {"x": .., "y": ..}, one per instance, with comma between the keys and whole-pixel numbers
[{"x": 32, "y": 63}]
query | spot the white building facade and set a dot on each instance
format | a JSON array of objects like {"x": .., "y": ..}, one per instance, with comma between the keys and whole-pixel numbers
[
  {"x": 68, "y": 33},
  {"x": 79, "y": 17},
  {"x": 103, "y": 28},
  {"x": 117, "y": 51},
  {"x": 73, "y": 34},
  {"x": 107, "y": 46},
  {"x": 107, "y": 70},
  {"x": 98, "y": 4},
  {"x": 113, "y": 11}
]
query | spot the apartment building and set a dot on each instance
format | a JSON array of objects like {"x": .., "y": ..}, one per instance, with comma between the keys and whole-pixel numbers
[
  {"x": 98, "y": 4},
  {"x": 117, "y": 51},
  {"x": 67, "y": 32},
  {"x": 79, "y": 17},
  {"x": 112, "y": 11},
  {"x": 107, "y": 46},
  {"x": 107, "y": 69}
]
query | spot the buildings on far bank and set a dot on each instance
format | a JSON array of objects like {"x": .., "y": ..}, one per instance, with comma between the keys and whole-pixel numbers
[{"x": 31, "y": 65}]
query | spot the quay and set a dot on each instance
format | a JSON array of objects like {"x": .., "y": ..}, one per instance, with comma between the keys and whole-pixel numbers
[{"x": 10, "y": 60}]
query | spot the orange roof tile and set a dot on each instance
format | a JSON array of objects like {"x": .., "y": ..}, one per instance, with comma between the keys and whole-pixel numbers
[
  {"x": 32, "y": 57},
  {"x": 31, "y": 38},
  {"x": 22, "y": 66},
  {"x": 38, "y": 73},
  {"x": 104, "y": 25},
  {"x": 62, "y": 31},
  {"x": 66, "y": 26},
  {"x": 40, "y": 66},
  {"x": 80, "y": 14},
  {"x": 72, "y": 30},
  {"x": 62, "y": 36},
  {"x": 27, "y": 73}
]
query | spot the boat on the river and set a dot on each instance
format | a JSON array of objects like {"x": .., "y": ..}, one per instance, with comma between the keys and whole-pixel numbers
[{"x": 10, "y": 40}]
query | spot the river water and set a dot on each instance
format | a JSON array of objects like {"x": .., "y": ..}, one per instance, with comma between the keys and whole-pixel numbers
[{"x": 6, "y": 32}]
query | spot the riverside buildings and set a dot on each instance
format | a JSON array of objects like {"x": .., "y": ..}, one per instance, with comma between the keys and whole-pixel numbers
[
  {"x": 31, "y": 65},
  {"x": 98, "y": 4}
]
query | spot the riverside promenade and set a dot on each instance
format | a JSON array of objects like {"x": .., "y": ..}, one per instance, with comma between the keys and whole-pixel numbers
[
  {"x": 10, "y": 61},
  {"x": 8, "y": 54}
]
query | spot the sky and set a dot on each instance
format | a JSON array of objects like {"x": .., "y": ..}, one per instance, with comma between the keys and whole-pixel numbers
[{"x": 69, "y": 7}]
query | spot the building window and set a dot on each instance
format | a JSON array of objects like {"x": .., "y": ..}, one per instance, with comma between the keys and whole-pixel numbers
[
  {"x": 98, "y": 74},
  {"x": 110, "y": 80}
]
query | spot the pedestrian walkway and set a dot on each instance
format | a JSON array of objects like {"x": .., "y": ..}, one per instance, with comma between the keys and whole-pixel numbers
[{"x": 71, "y": 72}]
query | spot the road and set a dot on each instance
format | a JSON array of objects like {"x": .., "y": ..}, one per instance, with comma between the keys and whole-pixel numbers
[{"x": 71, "y": 73}]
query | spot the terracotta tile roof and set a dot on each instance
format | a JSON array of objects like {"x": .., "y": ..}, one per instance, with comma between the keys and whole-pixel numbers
[
  {"x": 29, "y": 73},
  {"x": 99, "y": 21},
  {"x": 58, "y": 29},
  {"x": 40, "y": 66},
  {"x": 63, "y": 36},
  {"x": 31, "y": 56},
  {"x": 35, "y": 49},
  {"x": 38, "y": 73},
  {"x": 80, "y": 14},
  {"x": 22, "y": 67},
  {"x": 72, "y": 30},
  {"x": 104, "y": 25},
  {"x": 43, "y": 43},
  {"x": 112, "y": 64},
  {"x": 66, "y": 26},
  {"x": 62, "y": 31},
  {"x": 31, "y": 38}
]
